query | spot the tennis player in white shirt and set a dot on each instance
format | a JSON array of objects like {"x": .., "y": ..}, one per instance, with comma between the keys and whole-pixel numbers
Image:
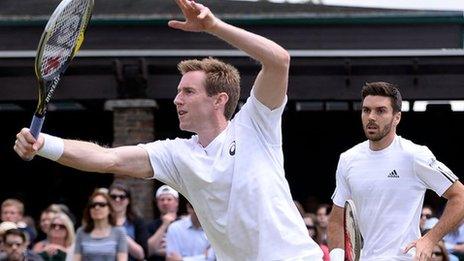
[
  {"x": 231, "y": 170},
  {"x": 386, "y": 177}
]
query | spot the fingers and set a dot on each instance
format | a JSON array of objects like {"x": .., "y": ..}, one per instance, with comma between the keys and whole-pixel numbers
[
  {"x": 26, "y": 145},
  {"x": 177, "y": 24},
  {"x": 409, "y": 247}
]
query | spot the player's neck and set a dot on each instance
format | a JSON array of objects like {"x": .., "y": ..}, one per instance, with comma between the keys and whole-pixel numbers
[
  {"x": 209, "y": 133},
  {"x": 383, "y": 143}
]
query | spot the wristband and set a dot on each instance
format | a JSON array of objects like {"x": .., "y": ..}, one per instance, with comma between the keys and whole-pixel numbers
[
  {"x": 337, "y": 254},
  {"x": 53, "y": 147}
]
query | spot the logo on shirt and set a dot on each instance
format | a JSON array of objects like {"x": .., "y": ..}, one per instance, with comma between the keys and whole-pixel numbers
[
  {"x": 232, "y": 148},
  {"x": 393, "y": 174}
]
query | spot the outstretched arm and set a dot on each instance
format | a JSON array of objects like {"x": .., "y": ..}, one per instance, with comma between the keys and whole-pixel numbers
[
  {"x": 86, "y": 156},
  {"x": 271, "y": 83},
  {"x": 452, "y": 215}
]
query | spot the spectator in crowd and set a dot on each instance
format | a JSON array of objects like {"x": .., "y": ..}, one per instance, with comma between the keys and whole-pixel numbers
[
  {"x": 310, "y": 221},
  {"x": 427, "y": 213},
  {"x": 300, "y": 208},
  {"x": 99, "y": 238},
  {"x": 454, "y": 241},
  {"x": 59, "y": 244},
  {"x": 127, "y": 218},
  {"x": 13, "y": 210},
  {"x": 186, "y": 240},
  {"x": 4, "y": 226},
  {"x": 167, "y": 201},
  {"x": 440, "y": 253},
  {"x": 15, "y": 246},
  {"x": 322, "y": 216}
]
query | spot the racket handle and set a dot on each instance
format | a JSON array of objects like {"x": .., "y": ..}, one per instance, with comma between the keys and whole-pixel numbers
[{"x": 36, "y": 125}]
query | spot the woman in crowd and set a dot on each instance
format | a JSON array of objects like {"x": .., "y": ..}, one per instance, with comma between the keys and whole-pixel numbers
[
  {"x": 126, "y": 217},
  {"x": 58, "y": 246},
  {"x": 99, "y": 238}
]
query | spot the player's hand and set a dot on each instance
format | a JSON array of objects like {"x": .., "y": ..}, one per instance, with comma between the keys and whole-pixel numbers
[
  {"x": 198, "y": 17},
  {"x": 26, "y": 146},
  {"x": 424, "y": 248}
]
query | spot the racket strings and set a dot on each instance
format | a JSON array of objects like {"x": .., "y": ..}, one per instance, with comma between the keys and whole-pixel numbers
[{"x": 62, "y": 37}]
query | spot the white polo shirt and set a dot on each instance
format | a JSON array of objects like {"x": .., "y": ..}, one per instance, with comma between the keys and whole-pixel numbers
[
  {"x": 237, "y": 187},
  {"x": 388, "y": 188}
]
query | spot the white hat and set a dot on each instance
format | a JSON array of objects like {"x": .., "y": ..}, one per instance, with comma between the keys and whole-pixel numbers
[
  {"x": 7, "y": 225},
  {"x": 165, "y": 189}
]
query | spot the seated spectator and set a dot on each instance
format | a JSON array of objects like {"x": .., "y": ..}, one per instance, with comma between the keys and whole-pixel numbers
[
  {"x": 310, "y": 222},
  {"x": 15, "y": 246},
  {"x": 454, "y": 241},
  {"x": 59, "y": 244},
  {"x": 322, "y": 217},
  {"x": 186, "y": 240},
  {"x": 4, "y": 226},
  {"x": 99, "y": 238},
  {"x": 129, "y": 220},
  {"x": 13, "y": 210},
  {"x": 167, "y": 201},
  {"x": 440, "y": 253},
  {"x": 427, "y": 213}
]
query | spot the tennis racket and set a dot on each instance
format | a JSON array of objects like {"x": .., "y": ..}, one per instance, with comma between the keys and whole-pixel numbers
[
  {"x": 353, "y": 237},
  {"x": 60, "y": 41}
]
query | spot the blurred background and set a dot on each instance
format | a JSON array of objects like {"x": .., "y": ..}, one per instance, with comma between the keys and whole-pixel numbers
[{"x": 119, "y": 90}]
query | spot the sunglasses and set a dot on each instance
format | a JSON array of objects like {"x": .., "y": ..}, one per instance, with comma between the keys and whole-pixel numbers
[
  {"x": 98, "y": 204},
  {"x": 118, "y": 197},
  {"x": 310, "y": 227},
  {"x": 427, "y": 216},
  {"x": 57, "y": 226},
  {"x": 11, "y": 244}
]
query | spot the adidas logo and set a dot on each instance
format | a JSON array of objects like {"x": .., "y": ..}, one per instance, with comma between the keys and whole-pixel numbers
[{"x": 393, "y": 174}]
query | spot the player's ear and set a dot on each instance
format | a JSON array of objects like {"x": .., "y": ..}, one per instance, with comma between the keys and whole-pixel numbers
[
  {"x": 397, "y": 118},
  {"x": 221, "y": 99}
]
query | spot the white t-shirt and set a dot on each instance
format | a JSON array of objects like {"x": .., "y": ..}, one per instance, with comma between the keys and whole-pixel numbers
[
  {"x": 388, "y": 188},
  {"x": 237, "y": 187}
]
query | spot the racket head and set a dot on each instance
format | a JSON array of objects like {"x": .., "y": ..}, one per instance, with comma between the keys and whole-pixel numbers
[
  {"x": 353, "y": 237},
  {"x": 59, "y": 43}
]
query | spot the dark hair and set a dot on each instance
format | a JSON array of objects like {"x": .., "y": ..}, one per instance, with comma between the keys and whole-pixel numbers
[
  {"x": 87, "y": 221},
  {"x": 327, "y": 207},
  {"x": 16, "y": 232},
  {"x": 383, "y": 89},
  {"x": 131, "y": 212}
]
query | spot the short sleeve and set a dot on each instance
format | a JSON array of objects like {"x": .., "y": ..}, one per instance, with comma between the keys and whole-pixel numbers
[
  {"x": 161, "y": 154},
  {"x": 172, "y": 242},
  {"x": 121, "y": 239},
  {"x": 78, "y": 243},
  {"x": 267, "y": 122},
  {"x": 342, "y": 191},
  {"x": 434, "y": 174}
]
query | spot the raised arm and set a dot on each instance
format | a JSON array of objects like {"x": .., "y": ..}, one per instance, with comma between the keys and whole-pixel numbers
[
  {"x": 86, "y": 156},
  {"x": 271, "y": 83}
]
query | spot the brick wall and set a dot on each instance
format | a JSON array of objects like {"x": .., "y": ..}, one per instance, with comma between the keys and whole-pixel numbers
[{"x": 133, "y": 123}]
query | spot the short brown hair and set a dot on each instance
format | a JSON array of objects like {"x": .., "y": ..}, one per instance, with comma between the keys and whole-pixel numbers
[
  {"x": 220, "y": 77},
  {"x": 383, "y": 89},
  {"x": 14, "y": 202},
  {"x": 87, "y": 221}
]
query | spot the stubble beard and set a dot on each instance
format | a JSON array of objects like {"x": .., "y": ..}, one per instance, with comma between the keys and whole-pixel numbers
[{"x": 380, "y": 134}]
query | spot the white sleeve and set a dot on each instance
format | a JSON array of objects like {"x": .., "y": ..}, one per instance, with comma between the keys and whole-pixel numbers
[
  {"x": 342, "y": 192},
  {"x": 434, "y": 174},
  {"x": 161, "y": 154},
  {"x": 173, "y": 244},
  {"x": 267, "y": 122}
]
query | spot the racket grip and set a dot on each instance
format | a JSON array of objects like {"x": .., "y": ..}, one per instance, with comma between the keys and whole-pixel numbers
[{"x": 36, "y": 125}]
